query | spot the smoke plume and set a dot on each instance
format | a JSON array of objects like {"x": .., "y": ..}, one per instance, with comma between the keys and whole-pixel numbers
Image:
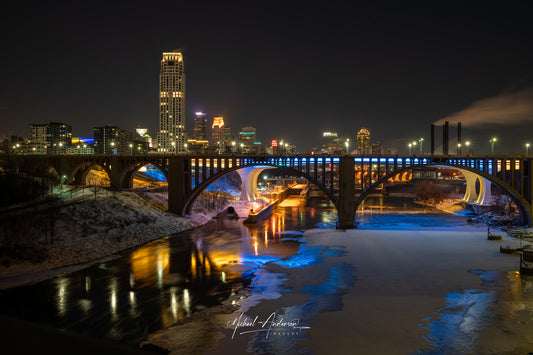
[{"x": 509, "y": 108}]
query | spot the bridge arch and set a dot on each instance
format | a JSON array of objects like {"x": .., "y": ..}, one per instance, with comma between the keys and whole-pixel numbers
[
  {"x": 210, "y": 179},
  {"x": 522, "y": 204},
  {"x": 126, "y": 178},
  {"x": 78, "y": 175}
]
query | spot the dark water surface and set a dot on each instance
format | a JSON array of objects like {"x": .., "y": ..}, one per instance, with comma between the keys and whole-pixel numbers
[{"x": 153, "y": 286}]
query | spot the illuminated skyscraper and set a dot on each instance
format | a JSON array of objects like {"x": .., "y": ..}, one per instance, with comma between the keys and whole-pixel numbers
[
  {"x": 330, "y": 142},
  {"x": 200, "y": 127},
  {"x": 171, "y": 136},
  {"x": 363, "y": 142},
  {"x": 220, "y": 134}
]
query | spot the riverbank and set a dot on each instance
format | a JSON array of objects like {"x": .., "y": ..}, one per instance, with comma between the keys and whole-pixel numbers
[
  {"x": 91, "y": 231},
  {"x": 88, "y": 231}
]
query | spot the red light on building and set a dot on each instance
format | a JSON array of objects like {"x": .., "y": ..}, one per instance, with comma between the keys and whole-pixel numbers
[{"x": 274, "y": 143}]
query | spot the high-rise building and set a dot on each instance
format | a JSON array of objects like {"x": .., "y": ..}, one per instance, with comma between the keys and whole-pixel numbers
[
  {"x": 331, "y": 143},
  {"x": 58, "y": 137},
  {"x": 112, "y": 140},
  {"x": 363, "y": 142},
  {"x": 171, "y": 136},
  {"x": 220, "y": 135},
  {"x": 376, "y": 149},
  {"x": 200, "y": 127},
  {"x": 38, "y": 132},
  {"x": 247, "y": 139}
]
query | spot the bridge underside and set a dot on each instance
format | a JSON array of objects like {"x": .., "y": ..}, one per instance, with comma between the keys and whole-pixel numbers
[{"x": 339, "y": 177}]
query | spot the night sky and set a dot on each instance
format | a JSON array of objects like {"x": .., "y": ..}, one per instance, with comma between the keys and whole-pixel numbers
[{"x": 292, "y": 71}]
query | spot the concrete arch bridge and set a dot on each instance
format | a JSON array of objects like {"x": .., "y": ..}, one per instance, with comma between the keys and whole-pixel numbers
[{"x": 339, "y": 177}]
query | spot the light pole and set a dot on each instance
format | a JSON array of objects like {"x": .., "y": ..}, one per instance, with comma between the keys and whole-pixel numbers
[
  {"x": 420, "y": 141},
  {"x": 233, "y": 147},
  {"x": 131, "y": 149},
  {"x": 185, "y": 146},
  {"x": 458, "y": 148},
  {"x": 346, "y": 144},
  {"x": 173, "y": 147},
  {"x": 242, "y": 148},
  {"x": 492, "y": 141},
  {"x": 410, "y": 145},
  {"x": 527, "y": 148},
  {"x": 113, "y": 148}
]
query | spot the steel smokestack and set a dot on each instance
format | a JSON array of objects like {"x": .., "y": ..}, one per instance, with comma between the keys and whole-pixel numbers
[{"x": 445, "y": 138}]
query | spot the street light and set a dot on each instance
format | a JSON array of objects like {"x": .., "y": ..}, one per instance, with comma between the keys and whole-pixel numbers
[
  {"x": 185, "y": 146},
  {"x": 131, "y": 148},
  {"x": 492, "y": 141},
  {"x": 458, "y": 148},
  {"x": 410, "y": 145},
  {"x": 420, "y": 141},
  {"x": 242, "y": 147},
  {"x": 346, "y": 144},
  {"x": 233, "y": 146},
  {"x": 527, "y": 148}
]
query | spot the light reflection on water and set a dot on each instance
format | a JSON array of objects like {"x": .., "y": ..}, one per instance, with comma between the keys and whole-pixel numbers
[{"x": 162, "y": 282}]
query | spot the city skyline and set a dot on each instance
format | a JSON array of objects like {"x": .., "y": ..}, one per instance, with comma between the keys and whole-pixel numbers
[{"x": 394, "y": 69}]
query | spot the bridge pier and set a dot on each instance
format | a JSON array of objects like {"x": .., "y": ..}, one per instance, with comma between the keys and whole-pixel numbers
[
  {"x": 179, "y": 184},
  {"x": 345, "y": 205},
  {"x": 114, "y": 175},
  {"x": 249, "y": 182}
]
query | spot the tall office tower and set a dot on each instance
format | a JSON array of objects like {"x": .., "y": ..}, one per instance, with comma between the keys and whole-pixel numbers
[
  {"x": 216, "y": 128},
  {"x": 247, "y": 139},
  {"x": 200, "y": 127},
  {"x": 363, "y": 142},
  {"x": 330, "y": 142},
  {"x": 171, "y": 136}
]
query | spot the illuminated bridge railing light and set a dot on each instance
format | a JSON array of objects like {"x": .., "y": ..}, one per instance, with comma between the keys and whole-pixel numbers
[
  {"x": 366, "y": 160},
  {"x": 336, "y": 160},
  {"x": 357, "y": 160},
  {"x": 398, "y": 160}
]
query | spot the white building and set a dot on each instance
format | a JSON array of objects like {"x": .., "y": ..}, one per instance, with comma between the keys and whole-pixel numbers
[{"x": 171, "y": 136}]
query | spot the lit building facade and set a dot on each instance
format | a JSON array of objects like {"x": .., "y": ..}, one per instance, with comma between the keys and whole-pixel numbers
[
  {"x": 331, "y": 143},
  {"x": 38, "y": 138},
  {"x": 200, "y": 127},
  {"x": 171, "y": 136},
  {"x": 58, "y": 137},
  {"x": 112, "y": 140},
  {"x": 363, "y": 141},
  {"x": 220, "y": 135},
  {"x": 376, "y": 149},
  {"x": 247, "y": 137}
]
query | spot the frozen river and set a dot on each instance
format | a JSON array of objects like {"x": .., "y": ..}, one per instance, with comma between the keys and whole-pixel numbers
[{"x": 402, "y": 282}]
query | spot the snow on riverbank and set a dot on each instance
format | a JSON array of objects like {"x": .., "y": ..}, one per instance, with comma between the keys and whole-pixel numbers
[{"x": 93, "y": 229}]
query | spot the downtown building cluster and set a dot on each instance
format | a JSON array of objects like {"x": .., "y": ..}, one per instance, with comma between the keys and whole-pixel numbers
[{"x": 210, "y": 134}]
